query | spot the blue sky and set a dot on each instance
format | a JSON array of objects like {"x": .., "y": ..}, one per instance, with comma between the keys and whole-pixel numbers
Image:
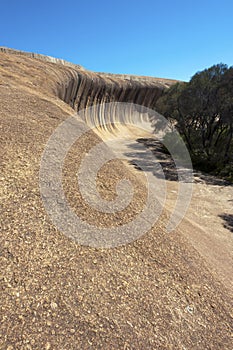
[{"x": 170, "y": 39}]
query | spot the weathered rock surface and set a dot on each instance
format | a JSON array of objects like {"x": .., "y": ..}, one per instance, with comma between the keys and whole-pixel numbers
[
  {"x": 83, "y": 88},
  {"x": 155, "y": 293}
]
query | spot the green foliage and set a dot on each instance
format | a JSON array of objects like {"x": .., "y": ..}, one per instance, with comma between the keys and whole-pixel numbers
[{"x": 202, "y": 111}]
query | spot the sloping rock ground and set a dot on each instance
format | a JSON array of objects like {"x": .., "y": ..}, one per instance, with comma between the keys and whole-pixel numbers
[{"x": 155, "y": 293}]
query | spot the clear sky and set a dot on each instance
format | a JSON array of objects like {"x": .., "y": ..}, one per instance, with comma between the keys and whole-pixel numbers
[{"x": 163, "y": 38}]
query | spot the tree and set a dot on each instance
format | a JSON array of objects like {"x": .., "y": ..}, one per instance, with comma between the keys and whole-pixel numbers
[{"x": 203, "y": 112}]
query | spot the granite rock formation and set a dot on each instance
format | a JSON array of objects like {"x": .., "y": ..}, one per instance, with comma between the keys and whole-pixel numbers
[
  {"x": 155, "y": 293},
  {"x": 82, "y": 88}
]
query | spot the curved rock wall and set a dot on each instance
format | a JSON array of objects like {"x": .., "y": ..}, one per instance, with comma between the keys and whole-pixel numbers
[{"x": 82, "y": 88}]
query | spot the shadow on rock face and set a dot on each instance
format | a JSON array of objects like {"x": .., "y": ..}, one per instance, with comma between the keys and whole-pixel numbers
[
  {"x": 228, "y": 221},
  {"x": 167, "y": 163}
]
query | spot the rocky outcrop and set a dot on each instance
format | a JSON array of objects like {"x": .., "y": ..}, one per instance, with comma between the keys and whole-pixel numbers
[
  {"x": 83, "y": 88},
  {"x": 40, "y": 57},
  {"x": 156, "y": 293}
]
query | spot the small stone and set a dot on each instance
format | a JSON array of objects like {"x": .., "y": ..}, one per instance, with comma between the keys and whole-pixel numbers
[
  {"x": 47, "y": 346},
  {"x": 53, "y": 305},
  {"x": 190, "y": 309}
]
